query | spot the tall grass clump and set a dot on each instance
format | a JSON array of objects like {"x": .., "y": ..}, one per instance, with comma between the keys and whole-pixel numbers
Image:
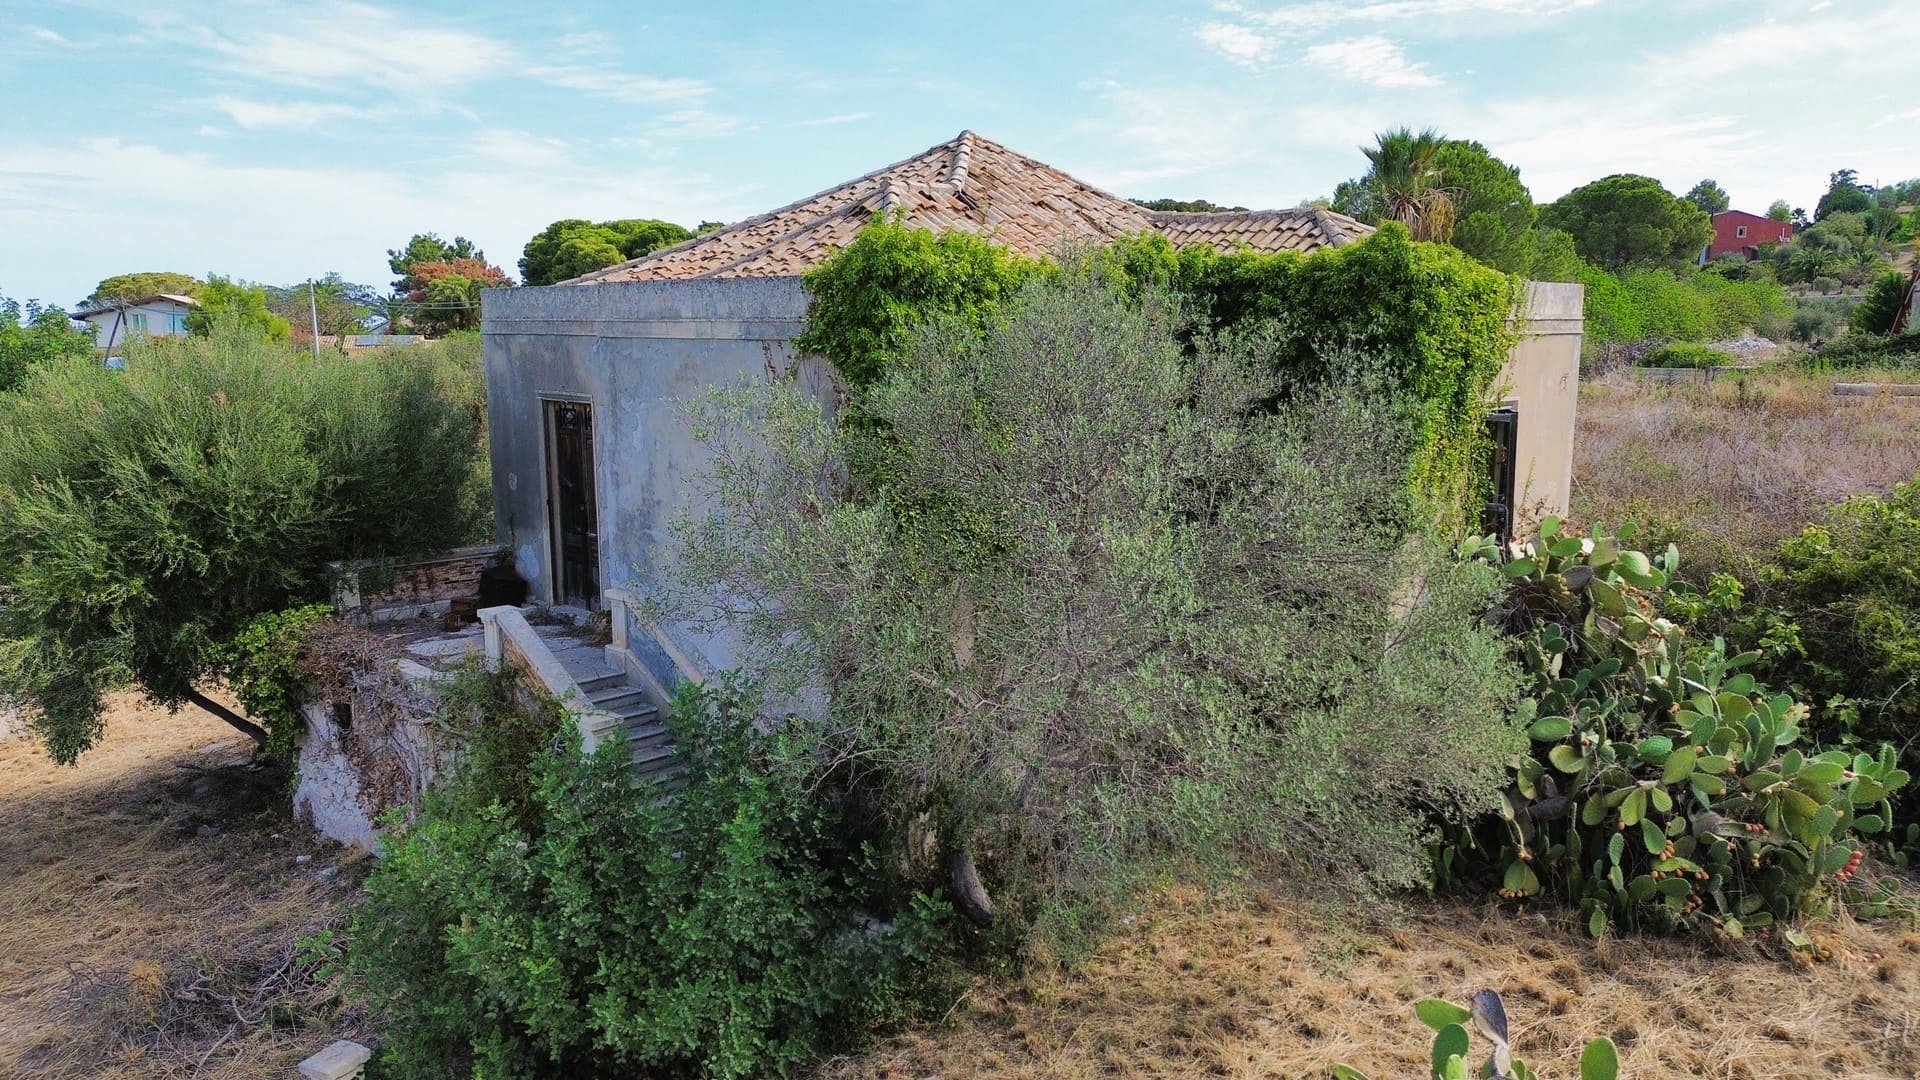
[{"x": 147, "y": 514}]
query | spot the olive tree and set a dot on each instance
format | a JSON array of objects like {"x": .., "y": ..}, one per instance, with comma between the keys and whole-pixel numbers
[
  {"x": 1083, "y": 601},
  {"x": 147, "y": 514}
]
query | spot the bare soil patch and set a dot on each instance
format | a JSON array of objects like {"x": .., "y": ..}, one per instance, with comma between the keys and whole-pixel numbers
[
  {"x": 151, "y": 899},
  {"x": 1281, "y": 989}
]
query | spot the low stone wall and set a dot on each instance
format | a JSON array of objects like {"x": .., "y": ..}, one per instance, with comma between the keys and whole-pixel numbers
[
  {"x": 360, "y": 757},
  {"x": 378, "y": 590}
]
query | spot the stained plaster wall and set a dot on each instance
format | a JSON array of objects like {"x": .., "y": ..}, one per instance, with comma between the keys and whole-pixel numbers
[{"x": 639, "y": 353}]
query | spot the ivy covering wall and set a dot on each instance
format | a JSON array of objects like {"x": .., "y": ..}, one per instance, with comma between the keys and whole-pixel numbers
[{"x": 1437, "y": 321}]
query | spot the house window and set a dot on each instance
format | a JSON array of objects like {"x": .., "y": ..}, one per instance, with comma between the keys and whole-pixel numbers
[
  {"x": 1740, "y": 231},
  {"x": 139, "y": 322},
  {"x": 176, "y": 324}
]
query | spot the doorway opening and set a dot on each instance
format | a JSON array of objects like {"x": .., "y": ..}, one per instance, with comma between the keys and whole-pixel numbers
[{"x": 572, "y": 510}]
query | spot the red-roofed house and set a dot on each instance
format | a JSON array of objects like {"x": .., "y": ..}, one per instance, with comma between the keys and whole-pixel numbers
[{"x": 1736, "y": 232}]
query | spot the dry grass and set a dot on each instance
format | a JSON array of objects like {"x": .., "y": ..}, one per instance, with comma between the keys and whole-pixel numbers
[
  {"x": 1730, "y": 469},
  {"x": 1284, "y": 990},
  {"x": 131, "y": 944}
]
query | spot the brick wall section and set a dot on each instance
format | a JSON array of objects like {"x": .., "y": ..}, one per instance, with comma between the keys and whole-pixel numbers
[{"x": 410, "y": 589}]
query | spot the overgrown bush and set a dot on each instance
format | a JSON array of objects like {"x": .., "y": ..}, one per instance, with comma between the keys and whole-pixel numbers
[
  {"x": 147, "y": 514},
  {"x": 1659, "y": 305},
  {"x": 1665, "y": 789},
  {"x": 1866, "y": 351},
  {"x": 1881, "y": 304},
  {"x": 1842, "y": 619},
  {"x": 593, "y": 930},
  {"x": 261, "y": 666},
  {"x": 1685, "y": 355},
  {"x": 32, "y": 335},
  {"x": 1155, "y": 622}
]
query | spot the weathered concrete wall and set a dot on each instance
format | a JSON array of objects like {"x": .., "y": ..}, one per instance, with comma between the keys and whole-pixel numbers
[
  {"x": 349, "y": 776},
  {"x": 639, "y": 353},
  {"x": 1542, "y": 380}
]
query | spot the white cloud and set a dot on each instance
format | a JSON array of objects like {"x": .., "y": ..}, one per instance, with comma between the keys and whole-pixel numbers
[
  {"x": 621, "y": 86},
  {"x": 518, "y": 148},
  {"x": 842, "y": 118},
  {"x": 106, "y": 204},
  {"x": 1238, "y": 42},
  {"x": 1326, "y": 14},
  {"x": 46, "y": 36},
  {"x": 1370, "y": 59},
  {"x": 345, "y": 44},
  {"x": 695, "y": 124},
  {"x": 292, "y": 115}
]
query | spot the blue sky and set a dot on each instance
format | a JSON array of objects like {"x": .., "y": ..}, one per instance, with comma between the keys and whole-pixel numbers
[{"x": 275, "y": 140}]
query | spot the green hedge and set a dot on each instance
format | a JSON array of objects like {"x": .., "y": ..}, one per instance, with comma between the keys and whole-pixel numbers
[
  {"x": 1681, "y": 354},
  {"x": 1439, "y": 322},
  {"x": 1643, "y": 305}
]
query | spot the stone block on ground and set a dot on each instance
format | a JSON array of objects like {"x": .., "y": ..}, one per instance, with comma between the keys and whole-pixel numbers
[{"x": 344, "y": 1060}]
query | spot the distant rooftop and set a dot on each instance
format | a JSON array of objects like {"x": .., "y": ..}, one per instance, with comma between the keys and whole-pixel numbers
[
  {"x": 104, "y": 306},
  {"x": 973, "y": 185}
]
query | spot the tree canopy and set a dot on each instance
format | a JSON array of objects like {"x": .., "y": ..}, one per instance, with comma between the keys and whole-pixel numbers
[
  {"x": 1625, "y": 220},
  {"x": 1780, "y": 210},
  {"x": 225, "y": 299},
  {"x": 446, "y": 293},
  {"x": 574, "y": 246},
  {"x": 139, "y": 286},
  {"x": 427, "y": 247},
  {"x": 31, "y": 336},
  {"x": 147, "y": 514},
  {"x": 1188, "y": 206},
  {"x": 1844, "y": 195},
  {"x": 1493, "y": 211},
  {"x": 341, "y": 306},
  {"x": 1708, "y": 195}
]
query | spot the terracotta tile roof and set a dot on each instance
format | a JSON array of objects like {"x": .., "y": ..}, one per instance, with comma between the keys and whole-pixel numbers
[
  {"x": 974, "y": 185},
  {"x": 1305, "y": 229}
]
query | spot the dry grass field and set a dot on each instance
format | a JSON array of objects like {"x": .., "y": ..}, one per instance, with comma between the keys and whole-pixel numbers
[
  {"x": 1730, "y": 469},
  {"x": 1281, "y": 989},
  {"x": 150, "y": 901}
]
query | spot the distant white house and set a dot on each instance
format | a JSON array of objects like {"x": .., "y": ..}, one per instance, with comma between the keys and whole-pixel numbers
[{"x": 116, "y": 321}]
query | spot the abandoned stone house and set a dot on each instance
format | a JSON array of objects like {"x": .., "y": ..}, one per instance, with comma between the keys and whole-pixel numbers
[
  {"x": 587, "y": 380},
  {"x": 593, "y": 454}
]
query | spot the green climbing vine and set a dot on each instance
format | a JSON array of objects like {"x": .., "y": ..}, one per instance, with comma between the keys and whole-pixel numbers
[{"x": 1438, "y": 322}]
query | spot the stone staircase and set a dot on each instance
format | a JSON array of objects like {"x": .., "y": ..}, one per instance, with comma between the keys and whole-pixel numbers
[
  {"x": 618, "y": 704},
  {"x": 645, "y": 730}
]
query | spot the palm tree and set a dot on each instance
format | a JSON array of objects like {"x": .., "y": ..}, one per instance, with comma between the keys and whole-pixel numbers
[{"x": 1406, "y": 182}]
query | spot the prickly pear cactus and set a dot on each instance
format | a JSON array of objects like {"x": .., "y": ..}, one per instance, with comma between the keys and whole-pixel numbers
[
  {"x": 1453, "y": 1031},
  {"x": 1665, "y": 789}
]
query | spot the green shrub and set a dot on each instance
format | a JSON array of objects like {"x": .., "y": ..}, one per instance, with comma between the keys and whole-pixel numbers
[
  {"x": 1866, "y": 351},
  {"x": 32, "y": 335},
  {"x": 1684, "y": 355},
  {"x": 1850, "y": 587},
  {"x": 1659, "y": 305},
  {"x": 595, "y": 931},
  {"x": 261, "y": 665},
  {"x": 147, "y": 514},
  {"x": 1664, "y": 789},
  {"x": 1881, "y": 305}
]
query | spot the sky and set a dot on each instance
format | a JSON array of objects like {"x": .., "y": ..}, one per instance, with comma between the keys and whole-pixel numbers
[{"x": 273, "y": 141}]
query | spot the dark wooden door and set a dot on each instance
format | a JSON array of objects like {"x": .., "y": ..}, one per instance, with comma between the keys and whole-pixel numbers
[
  {"x": 1503, "y": 432},
  {"x": 571, "y": 504}
]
